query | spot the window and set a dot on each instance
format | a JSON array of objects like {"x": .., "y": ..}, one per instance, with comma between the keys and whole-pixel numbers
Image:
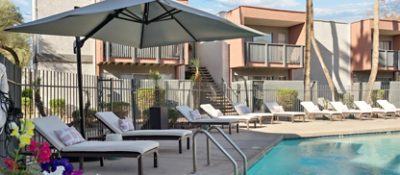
[
  {"x": 385, "y": 45},
  {"x": 267, "y": 38}
]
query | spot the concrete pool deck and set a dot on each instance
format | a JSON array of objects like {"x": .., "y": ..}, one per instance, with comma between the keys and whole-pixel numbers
[{"x": 254, "y": 143}]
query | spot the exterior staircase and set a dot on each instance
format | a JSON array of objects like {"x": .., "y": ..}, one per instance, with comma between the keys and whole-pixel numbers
[{"x": 211, "y": 93}]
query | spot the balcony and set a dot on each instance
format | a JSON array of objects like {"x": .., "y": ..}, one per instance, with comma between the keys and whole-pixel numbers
[
  {"x": 275, "y": 55},
  {"x": 120, "y": 53},
  {"x": 389, "y": 59}
]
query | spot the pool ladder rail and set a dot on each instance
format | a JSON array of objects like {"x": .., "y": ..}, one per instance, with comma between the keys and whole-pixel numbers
[{"x": 219, "y": 146}]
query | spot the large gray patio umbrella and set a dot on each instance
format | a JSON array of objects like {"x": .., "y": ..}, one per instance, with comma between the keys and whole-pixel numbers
[{"x": 137, "y": 23}]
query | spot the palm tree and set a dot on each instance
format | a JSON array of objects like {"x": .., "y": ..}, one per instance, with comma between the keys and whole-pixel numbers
[
  {"x": 307, "y": 58},
  {"x": 311, "y": 42},
  {"x": 375, "y": 54}
]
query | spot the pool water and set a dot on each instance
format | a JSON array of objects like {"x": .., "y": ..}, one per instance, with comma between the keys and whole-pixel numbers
[{"x": 375, "y": 154}]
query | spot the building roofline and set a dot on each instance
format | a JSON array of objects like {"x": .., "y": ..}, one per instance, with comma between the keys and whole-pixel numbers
[
  {"x": 340, "y": 22},
  {"x": 266, "y": 8},
  {"x": 370, "y": 19}
]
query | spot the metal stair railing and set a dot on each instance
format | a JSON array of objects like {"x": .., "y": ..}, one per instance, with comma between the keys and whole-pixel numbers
[
  {"x": 219, "y": 146},
  {"x": 230, "y": 141}
]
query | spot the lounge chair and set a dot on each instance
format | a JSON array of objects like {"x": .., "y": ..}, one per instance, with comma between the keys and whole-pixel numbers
[
  {"x": 46, "y": 127},
  {"x": 217, "y": 114},
  {"x": 312, "y": 111},
  {"x": 278, "y": 111},
  {"x": 185, "y": 112},
  {"x": 364, "y": 106},
  {"x": 388, "y": 106},
  {"x": 360, "y": 114},
  {"x": 242, "y": 109},
  {"x": 110, "y": 120}
]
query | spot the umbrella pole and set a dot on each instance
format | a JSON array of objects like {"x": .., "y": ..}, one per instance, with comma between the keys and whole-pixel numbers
[{"x": 78, "y": 45}]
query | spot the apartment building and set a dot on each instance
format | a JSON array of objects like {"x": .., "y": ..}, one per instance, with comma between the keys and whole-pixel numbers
[
  {"x": 56, "y": 52},
  {"x": 361, "y": 48}
]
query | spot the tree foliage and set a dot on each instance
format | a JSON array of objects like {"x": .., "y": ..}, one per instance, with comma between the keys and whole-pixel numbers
[{"x": 14, "y": 46}]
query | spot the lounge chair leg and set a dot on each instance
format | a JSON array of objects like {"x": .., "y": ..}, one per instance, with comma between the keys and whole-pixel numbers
[
  {"x": 248, "y": 127},
  {"x": 102, "y": 161},
  {"x": 230, "y": 129},
  {"x": 188, "y": 143},
  {"x": 155, "y": 159},
  {"x": 140, "y": 167},
  {"x": 180, "y": 146},
  {"x": 237, "y": 128},
  {"x": 255, "y": 124},
  {"x": 81, "y": 163}
]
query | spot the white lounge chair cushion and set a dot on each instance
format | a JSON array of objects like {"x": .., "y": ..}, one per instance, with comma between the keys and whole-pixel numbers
[
  {"x": 112, "y": 146},
  {"x": 274, "y": 107},
  {"x": 46, "y": 126},
  {"x": 310, "y": 107},
  {"x": 204, "y": 120},
  {"x": 111, "y": 120},
  {"x": 238, "y": 117},
  {"x": 167, "y": 132},
  {"x": 259, "y": 114},
  {"x": 242, "y": 109},
  {"x": 288, "y": 113},
  {"x": 211, "y": 110}
]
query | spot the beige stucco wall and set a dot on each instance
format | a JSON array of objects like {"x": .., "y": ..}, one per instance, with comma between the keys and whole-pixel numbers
[
  {"x": 63, "y": 46},
  {"x": 333, "y": 39},
  {"x": 214, "y": 56}
]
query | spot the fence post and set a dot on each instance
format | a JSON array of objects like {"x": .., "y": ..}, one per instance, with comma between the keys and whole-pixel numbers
[
  {"x": 108, "y": 51},
  {"x": 284, "y": 55},
  {"x": 133, "y": 54},
  {"x": 111, "y": 94},
  {"x": 158, "y": 54},
  {"x": 266, "y": 54},
  {"x": 133, "y": 101}
]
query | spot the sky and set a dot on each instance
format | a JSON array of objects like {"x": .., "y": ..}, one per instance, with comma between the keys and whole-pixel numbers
[{"x": 336, "y": 10}]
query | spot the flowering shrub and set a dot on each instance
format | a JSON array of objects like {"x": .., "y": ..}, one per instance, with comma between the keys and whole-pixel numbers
[{"x": 41, "y": 153}]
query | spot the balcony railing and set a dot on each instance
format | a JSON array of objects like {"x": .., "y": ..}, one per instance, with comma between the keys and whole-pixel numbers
[
  {"x": 275, "y": 53},
  {"x": 389, "y": 58},
  {"x": 113, "y": 50}
]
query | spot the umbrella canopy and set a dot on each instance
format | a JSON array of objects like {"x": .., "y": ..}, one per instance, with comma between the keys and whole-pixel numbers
[{"x": 138, "y": 23}]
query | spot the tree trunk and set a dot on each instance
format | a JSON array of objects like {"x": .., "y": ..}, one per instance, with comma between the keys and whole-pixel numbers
[
  {"x": 12, "y": 52},
  {"x": 375, "y": 54},
  {"x": 307, "y": 58},
  {"x": 324, "y": 68}
]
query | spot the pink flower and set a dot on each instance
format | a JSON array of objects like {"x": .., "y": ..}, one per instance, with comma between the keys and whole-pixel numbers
[
  {"x": 44, "y": 153},
  {"x": 10, "y": 164},
  {"x": 33, "y": 146}
]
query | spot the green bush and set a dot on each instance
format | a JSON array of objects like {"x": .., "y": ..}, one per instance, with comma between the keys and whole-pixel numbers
[
  {"x": 28, "y": 93},
  {"x": 90, "y": 118},
  {"x": 27, "y": 105},
  {"x": 348, "y": 100},
  {"x": 146, "y": 98},
  {"x": 173, "y": 117},
  {"x": 377, "y": 95},
  {"x": 287, "y": 98},
  {"x": 57, "y": 106},
  {"x": 120, "y": 108}
]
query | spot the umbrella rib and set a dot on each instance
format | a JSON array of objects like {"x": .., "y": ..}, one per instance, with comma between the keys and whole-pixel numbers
[
  {"x": 180, "y": 24},
  {"x": 127, "y": 19},
  {"x": 131, "y": 13},
  {"x": 130, "y": 16},
  {"x": 144, "y": 20},
  {"x": 164, "y": 15},
  {"x": 109, "y": 18}
]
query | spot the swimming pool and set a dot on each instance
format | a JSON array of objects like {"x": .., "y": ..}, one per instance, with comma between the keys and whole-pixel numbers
[{"x": 375, "y": 154}]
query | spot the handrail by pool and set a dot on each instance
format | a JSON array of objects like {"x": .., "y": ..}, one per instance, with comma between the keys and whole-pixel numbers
[
  {"x": 233, "y": 144},
  {"x": 210, "y": 137}
]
